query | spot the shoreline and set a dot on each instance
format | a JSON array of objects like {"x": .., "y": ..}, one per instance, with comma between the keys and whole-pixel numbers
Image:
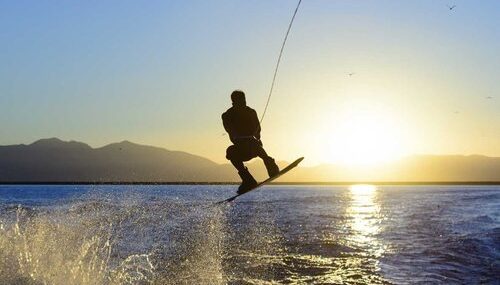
[{"x": 334, "y": 183}]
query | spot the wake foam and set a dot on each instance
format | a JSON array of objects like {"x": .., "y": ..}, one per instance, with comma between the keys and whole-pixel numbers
[{"x": 104, "y": 239}]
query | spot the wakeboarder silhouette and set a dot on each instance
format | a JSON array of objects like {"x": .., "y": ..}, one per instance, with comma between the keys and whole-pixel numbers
[{"x": 243, "y": 126}]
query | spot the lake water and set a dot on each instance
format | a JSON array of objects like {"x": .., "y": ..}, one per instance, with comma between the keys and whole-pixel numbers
[{"x": 173, "y": 234}]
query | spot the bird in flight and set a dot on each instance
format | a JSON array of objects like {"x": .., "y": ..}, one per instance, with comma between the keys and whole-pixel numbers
[
  {"x": 451, "y": 7},
  {"x": 351, "y": 74},
  {"x": 489, "y": 97}
]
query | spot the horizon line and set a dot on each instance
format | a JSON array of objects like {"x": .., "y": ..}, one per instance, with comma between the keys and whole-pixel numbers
[{"x": 312, "y": 183}]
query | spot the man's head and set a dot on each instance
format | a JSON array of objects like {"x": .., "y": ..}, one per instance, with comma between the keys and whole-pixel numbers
[{"x": 238, "y": 98}]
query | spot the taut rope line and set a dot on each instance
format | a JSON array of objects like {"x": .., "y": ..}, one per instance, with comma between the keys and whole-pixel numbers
[{"x": 278, "y": 62}]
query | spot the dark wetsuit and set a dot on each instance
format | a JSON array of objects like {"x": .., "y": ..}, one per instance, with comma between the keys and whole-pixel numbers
[{"x": 243, "y": 127}]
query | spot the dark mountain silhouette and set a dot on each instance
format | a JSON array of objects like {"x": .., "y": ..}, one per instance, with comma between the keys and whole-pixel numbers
[
  {"x": 59, "y": 161},
  {"x": 54, "y": 160}
]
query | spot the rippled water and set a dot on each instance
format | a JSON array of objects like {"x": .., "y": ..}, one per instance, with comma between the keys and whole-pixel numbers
[{"x": 280, "y": 234}]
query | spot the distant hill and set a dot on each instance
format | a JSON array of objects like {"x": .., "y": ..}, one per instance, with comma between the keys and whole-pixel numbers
[
  {"x": 54, "y": 160},
  {"x": 428, "y": 168},
  {"x": 59, "y": 161}
]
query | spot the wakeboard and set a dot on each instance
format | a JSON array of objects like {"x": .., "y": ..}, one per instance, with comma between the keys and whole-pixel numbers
[{"x": 283, "y": 171}]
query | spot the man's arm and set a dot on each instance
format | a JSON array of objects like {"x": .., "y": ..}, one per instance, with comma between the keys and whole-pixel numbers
[
  {"x": 225, "y": 122},
  {"x": 257, "y": 125}
]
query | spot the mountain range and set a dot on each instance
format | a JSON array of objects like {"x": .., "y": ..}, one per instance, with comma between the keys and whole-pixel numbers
[{"x": 54, "y": 160}]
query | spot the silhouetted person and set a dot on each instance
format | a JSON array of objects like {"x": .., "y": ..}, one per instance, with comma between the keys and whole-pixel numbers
[{"x": 242, "y": 125}]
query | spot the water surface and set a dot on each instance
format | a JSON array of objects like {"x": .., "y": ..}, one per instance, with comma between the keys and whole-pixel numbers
[{"x": 173, "y": 234}]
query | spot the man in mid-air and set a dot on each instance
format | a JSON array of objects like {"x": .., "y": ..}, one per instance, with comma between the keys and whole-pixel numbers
[{"x": 243, "y": 126}]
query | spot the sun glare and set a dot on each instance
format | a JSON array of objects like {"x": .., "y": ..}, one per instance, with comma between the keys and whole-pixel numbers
[
  {"x": 362, "y": 190},
  {"x": 365, "y": 137}
]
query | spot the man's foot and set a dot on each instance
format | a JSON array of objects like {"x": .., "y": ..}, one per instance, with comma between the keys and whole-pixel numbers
[
  {"x": 272, "y": 168},
  {"x": 248, "y": 182}
]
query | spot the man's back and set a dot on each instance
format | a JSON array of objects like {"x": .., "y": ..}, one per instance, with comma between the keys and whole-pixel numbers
[{"x": 241, "y": 121}]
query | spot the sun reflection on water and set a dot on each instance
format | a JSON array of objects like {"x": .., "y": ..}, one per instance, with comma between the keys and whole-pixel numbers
[
  {"x": 358, "y": 258},
  {"x": 361, "y": 263},
  {"x": 364, "y": 212}
]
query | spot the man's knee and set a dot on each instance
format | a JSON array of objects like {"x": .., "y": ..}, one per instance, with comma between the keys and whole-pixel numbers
[{"x": 231, "y": 152}]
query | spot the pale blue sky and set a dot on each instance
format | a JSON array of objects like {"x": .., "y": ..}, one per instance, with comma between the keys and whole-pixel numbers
[{"x": 160, "y": 72}]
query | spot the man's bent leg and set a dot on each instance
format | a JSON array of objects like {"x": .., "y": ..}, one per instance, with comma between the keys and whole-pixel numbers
[
  {"x": 238, "y": 165},
  {"x": 261, "y": 153},
  {"x": 235, "y": 155},
  {"x": 271, "y": 166},
  {"x": 247, "y": 181}
]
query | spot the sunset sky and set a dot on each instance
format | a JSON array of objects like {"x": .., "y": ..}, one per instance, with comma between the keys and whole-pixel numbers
[{"x": 426, "y": 79}]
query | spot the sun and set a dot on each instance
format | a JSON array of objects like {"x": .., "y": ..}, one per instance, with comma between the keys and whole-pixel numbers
[{"x": 365, "y": 136}]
